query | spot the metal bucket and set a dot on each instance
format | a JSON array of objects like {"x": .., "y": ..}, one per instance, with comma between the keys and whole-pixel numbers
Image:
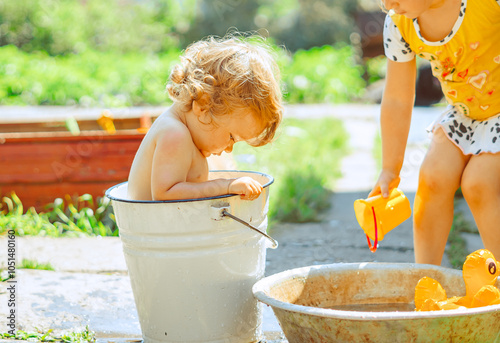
[
  {"x": 310, "y": 304},
  {"x": 192, "y": 268}
]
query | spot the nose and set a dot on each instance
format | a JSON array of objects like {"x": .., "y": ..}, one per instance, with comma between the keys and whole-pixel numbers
[{"x": 391, "y": 4}]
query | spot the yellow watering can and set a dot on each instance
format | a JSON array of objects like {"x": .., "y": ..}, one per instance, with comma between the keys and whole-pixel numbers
[{"x": 377, "y": 215}]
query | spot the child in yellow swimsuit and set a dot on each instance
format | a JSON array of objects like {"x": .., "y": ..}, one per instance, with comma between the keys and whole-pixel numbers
[{"x": 461, "y": 39}]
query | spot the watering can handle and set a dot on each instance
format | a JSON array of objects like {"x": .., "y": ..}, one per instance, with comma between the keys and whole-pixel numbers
[
  {"x": 273, "y": 241},
  {"x": 373, "y": 247}
]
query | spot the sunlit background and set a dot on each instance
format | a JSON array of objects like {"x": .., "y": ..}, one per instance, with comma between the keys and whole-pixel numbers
[
  {"x": 66, "y": 63},
  {"x": 119, "y": 52}
]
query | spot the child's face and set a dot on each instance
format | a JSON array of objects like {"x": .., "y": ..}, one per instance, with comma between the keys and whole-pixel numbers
[
  {"x": 222, "y": 132},
  {"x": 409, "y": 8}
]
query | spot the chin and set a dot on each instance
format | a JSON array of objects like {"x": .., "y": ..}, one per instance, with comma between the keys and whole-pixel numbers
[{"x": 410, "y": 16}]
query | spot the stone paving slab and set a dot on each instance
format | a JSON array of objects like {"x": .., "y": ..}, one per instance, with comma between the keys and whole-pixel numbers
[
  {"x": 86, "y": 254},
  {"x": 65, "y": 301}
]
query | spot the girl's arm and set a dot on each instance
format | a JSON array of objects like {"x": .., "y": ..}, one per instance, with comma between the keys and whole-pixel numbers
[{"x": 395, "y": 119}]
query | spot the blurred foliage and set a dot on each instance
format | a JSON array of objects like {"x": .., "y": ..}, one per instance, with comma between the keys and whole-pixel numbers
[
  {"x": 71, "y": 26},
  {"x": 296, "y": 24},
  {"x": 323, "y": 74},
  {"x": 376, "y": 68},
  {"x": 92, "y": 78},
  {"x": 218, "y": 17},
  {"x": 117, "y": 53},
  {"x": 302, "y": 24},
  {"x": 74, "y": 26}
]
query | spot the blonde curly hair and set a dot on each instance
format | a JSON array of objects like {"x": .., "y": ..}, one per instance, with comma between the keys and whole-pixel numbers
[{"x": 231, "y": 72}]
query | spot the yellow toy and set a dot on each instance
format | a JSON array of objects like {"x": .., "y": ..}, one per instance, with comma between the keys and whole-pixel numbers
[
  {"x": 480, "y": 272},
  {"x": 106, "y": 122},
  {"x": 377, "y": 215}
]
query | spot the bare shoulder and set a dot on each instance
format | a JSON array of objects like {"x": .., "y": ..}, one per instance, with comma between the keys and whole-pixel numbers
[
  {"x": 169, "y": 131},
  {"x": 168, "y": 127}
]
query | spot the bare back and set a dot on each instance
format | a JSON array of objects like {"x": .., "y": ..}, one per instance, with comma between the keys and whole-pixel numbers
[{"x": 166, "y": 134}]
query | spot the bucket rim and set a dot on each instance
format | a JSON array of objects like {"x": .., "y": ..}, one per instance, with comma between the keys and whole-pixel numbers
[
  {"x": 261, "y": 288},
  {"x": 109, "y": 190}
]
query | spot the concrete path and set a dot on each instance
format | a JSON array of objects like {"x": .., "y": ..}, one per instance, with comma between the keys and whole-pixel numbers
[{"x": 90, "y": 285}]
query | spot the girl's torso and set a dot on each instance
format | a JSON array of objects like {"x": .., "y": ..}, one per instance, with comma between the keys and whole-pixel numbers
[{"x": 464, "y": 51}]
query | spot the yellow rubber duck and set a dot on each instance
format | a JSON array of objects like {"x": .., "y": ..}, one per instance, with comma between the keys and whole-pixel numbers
[{"x": 480, "y": 272}]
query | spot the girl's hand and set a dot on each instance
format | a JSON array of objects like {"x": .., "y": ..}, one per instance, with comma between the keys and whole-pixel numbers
[
  {"x": 248, "y": 188},
  {"x": 387, "y": 180}
]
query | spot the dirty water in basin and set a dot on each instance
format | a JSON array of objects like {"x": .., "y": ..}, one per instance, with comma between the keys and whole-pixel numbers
[{"x": 387, "y": 307}]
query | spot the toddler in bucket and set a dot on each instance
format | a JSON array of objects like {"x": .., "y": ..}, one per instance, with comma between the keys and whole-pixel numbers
[{"x": 224, "y": 91}]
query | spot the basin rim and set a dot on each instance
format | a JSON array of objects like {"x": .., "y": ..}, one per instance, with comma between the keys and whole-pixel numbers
[{"x": 262, "y": 286}]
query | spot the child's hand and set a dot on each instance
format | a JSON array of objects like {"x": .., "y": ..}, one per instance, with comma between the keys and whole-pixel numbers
[
  {"x": 248, "y": 188},
  {"x": 387, "y": 180}
]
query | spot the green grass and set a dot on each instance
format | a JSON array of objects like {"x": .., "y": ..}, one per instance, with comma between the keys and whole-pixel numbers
[
  {"x": 25, "y": 264},
  {"x": 85, "y": 336},
  {"x": 62, "y": 218},
  {"x": 304, "y": 161},
  {"x": 457, "y": 248},
  {"x": 32, "y": 264}
]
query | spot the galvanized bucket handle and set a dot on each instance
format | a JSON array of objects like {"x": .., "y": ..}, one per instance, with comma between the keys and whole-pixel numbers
[
  {"x": 273, "y": 241},
  {"x": 222, "y": 211}
]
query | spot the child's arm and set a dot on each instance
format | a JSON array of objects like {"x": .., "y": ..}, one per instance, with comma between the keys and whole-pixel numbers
[
  {"x": 395, "y": 119},
  {"x": 248, "y": 188},
  {"x": 172, "y": 160}
]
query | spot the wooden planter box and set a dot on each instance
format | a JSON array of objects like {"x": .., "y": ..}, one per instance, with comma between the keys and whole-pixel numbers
[{"x": 41, "y": 161}]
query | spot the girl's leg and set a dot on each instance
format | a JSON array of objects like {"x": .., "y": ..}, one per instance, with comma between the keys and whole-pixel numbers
[
  {"x": 439, "y": 178},
  {"x": 481, "y": 189}
]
